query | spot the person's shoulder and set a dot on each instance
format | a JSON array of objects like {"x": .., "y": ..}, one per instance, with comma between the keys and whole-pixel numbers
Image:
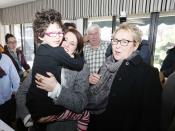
[
  {"x": 18, "y": 49},
  {"x": 45, "y": 48},
  {"x": 87, "y": 45},
  {"x": 171, "y": 51},
  {"x": 149, "y": 69},
  {"x": 6, "y": 58},
  {"x": 141, "y": 65},
  {"x": 87, "y": 48}
]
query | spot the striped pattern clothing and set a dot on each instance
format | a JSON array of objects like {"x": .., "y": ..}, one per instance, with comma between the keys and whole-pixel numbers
[
  {"x": 83, "y": 119},
  {"x": 95, "y": 57}
]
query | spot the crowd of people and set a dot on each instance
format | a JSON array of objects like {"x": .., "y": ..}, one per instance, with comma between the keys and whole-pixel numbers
[{"x": 84, "y": 83}]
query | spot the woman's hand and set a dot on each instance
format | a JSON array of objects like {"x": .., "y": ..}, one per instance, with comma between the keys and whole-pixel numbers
[
  {"x": 46, "y": 83},
  {"x": 47, "y": 119}
]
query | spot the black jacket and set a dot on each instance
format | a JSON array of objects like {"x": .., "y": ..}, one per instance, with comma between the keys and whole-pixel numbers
[{"x": 135, "y": 99}]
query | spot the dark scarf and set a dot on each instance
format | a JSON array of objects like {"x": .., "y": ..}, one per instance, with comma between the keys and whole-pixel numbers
[{"x": 2, "y": 72}]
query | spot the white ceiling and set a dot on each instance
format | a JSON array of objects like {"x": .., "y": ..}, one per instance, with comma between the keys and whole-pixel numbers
[{"x": 8, "y": 3}]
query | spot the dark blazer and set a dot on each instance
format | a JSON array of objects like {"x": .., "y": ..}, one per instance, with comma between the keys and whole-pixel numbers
[{"x": 134, "y": 102}]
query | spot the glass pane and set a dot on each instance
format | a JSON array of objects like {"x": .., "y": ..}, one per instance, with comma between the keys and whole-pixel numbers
[
  {"x": 142, "y": 23},
  {"x": 28, "y": 43},
  {"x": 165, "y": 38},
  {"x": 17, "y": 34},
  {"x": 105, "y": 25},
  {"x": 6, "y": 29}
]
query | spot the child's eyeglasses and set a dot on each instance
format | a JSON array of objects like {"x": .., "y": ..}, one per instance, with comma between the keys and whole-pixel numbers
[{"x": 54, "y": 34}]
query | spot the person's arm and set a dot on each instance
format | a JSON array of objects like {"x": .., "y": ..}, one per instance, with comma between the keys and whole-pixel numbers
[
  {"x": 22, "y": 110},
  {"x": 75, "y": 99},
  {"x": 24, "y": 62},
  {"x": 72, "y": 98},
  {"x": 67, "y": 61}
]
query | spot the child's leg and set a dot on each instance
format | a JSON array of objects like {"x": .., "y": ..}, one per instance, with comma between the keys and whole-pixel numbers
[
  {"x": 83, "y": 122},
  {"x": 83, "y": 119}
]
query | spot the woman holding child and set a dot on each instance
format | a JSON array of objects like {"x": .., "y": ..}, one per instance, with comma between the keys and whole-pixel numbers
[{"x": 72, "y": 93}]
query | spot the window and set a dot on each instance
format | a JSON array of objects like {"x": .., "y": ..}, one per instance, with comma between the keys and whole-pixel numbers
[
  {"x": 28, "y": 47},
  {"x": 143, "y": 23},
  {"x": 165, "y": 38},
  {"x": 6, "y": 29},
  {"x": 105, "y": 25},
  {"x": 17, "y": 34}
]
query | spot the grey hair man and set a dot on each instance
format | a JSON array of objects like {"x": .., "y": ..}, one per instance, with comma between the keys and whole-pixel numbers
[{"x": 94, "y": 52}]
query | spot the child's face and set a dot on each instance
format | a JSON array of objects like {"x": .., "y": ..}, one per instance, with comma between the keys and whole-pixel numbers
[{"x": 53, "y": 35}]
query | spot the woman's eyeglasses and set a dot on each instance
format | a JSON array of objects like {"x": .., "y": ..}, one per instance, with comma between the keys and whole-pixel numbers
[
  {"x": 54, "y": 34},
  {"x": 122, "y": 42},
  {"x": 12, "y": 42}
]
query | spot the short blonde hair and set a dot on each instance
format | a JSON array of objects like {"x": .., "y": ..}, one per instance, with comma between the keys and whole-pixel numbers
[{"x": 137, "y": 33}]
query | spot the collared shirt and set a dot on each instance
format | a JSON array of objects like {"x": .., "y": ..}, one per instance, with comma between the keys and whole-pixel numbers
[
  {"x": 95, "y": 57},
  {"x": 10, "y": 82}
]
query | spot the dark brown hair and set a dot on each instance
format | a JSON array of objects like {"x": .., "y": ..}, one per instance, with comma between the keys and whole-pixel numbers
[
  {"x": 43, "y": 19},
  {"x": 66, "y": 26},
  {"x": 7, "y": 36},
  {"x": 80, "y": 42}
]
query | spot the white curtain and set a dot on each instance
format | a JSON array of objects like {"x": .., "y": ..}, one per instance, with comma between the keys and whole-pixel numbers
[{"x": 73, "y": 9}]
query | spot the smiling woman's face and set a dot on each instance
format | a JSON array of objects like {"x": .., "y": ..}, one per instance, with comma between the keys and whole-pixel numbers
[{"x": 70, "y": 43}]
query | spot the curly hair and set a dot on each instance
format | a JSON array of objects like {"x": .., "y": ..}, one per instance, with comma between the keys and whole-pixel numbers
[{"x": 43, "y": 19}]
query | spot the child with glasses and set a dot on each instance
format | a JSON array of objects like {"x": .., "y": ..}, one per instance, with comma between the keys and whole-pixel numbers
[{"x": 50, "y": 57}]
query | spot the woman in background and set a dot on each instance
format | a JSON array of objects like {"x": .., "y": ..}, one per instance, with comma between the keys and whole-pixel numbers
[{"x": 15, "y": 54}]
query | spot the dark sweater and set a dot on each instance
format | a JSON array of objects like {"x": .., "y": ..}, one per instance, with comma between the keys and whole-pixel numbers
[{"x": 48, "y": 59}]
